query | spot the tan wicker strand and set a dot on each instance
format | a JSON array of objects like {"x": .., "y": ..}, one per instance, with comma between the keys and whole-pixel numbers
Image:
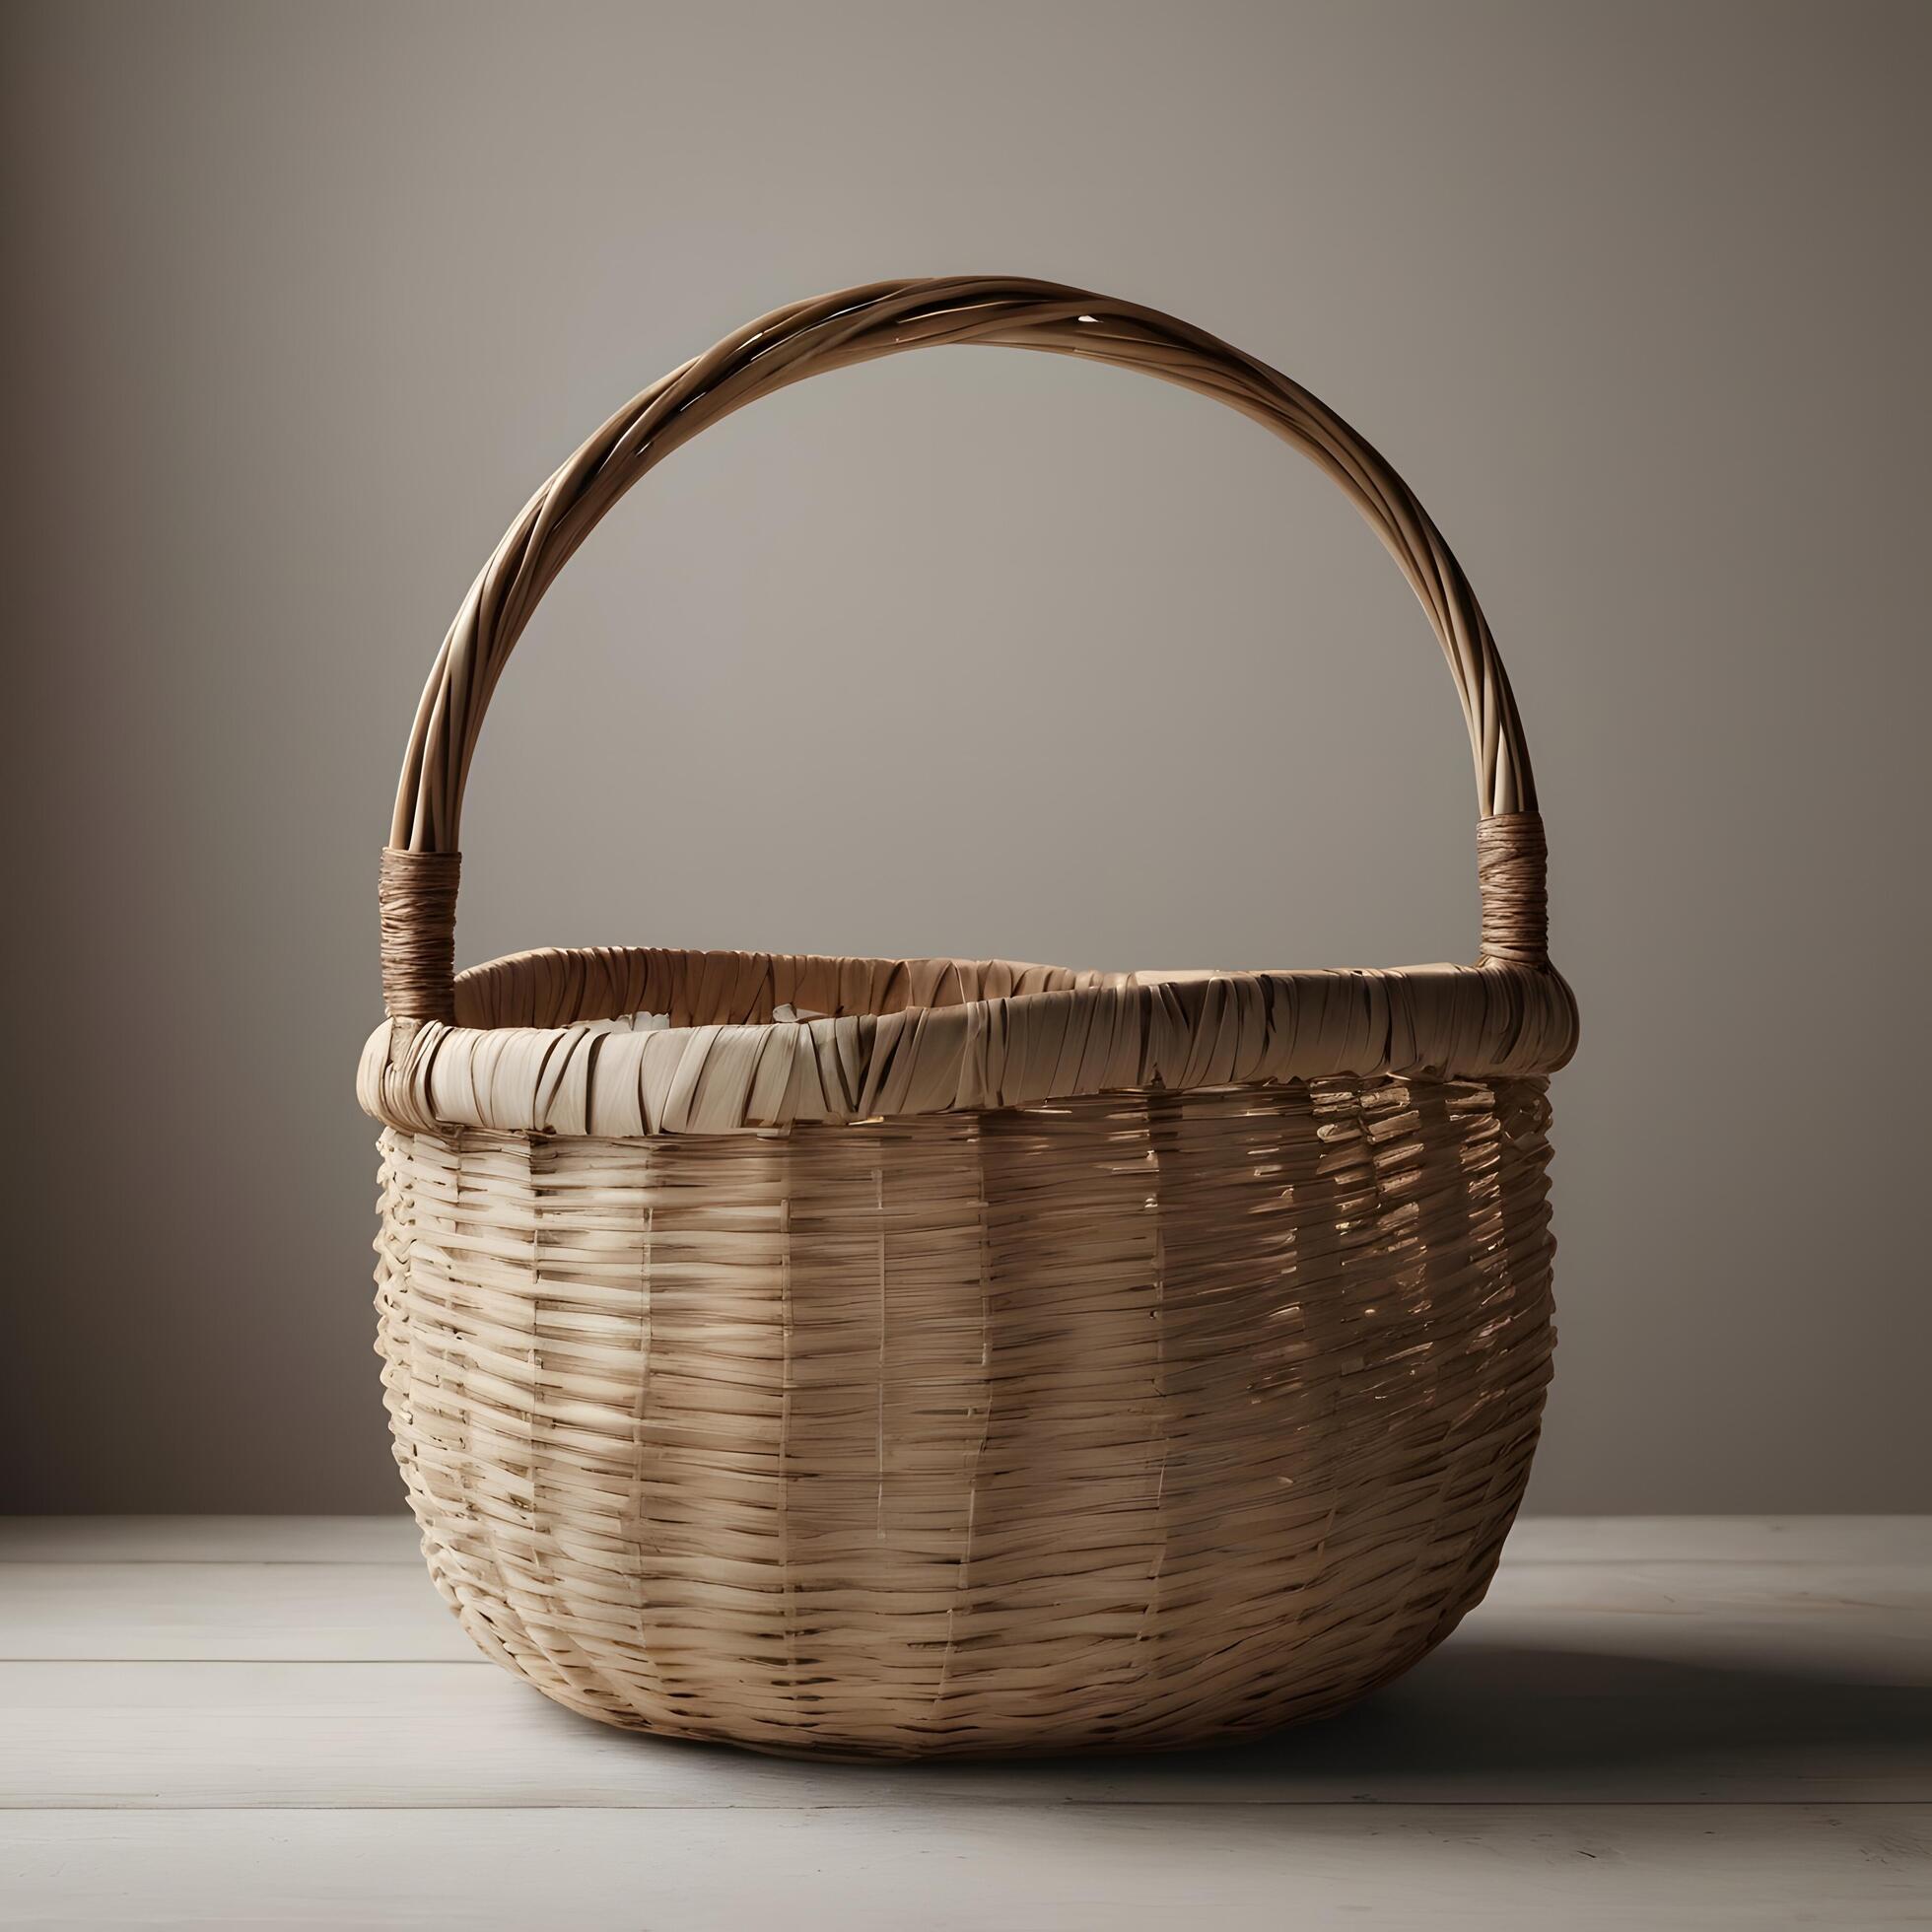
[{"x": 934, "y": 1356}]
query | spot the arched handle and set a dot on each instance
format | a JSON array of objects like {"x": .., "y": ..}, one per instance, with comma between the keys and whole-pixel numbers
[{"x": 418, "y": 891}]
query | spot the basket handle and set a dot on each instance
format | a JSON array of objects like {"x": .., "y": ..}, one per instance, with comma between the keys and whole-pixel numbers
[{"x": 420, "y": 867}]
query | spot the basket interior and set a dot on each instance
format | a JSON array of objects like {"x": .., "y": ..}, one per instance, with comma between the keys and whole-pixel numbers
[{"x": 557, "y": 988}]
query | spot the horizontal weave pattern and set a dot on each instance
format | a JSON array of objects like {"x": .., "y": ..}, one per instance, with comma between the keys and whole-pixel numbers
[{"x": 1125, "y": 1421}]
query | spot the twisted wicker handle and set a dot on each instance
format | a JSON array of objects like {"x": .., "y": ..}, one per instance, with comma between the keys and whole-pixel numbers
[{"x": 418, "y": 890}]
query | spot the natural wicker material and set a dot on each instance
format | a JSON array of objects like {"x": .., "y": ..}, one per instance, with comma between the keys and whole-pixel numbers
[{"x": 972, "y": 1358}]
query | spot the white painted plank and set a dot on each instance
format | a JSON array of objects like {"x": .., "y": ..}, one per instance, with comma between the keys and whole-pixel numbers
[
  {"x": 1535, "y": 1538},
  {"x": 1494, "y": 1722},
  {"x": 383, "y": 1612},
  {"x": 1720, "y": 1539},
  {"x": 210, "y": 1538},
  {"x": 366, "y": 1612},
  {"x": 1877, "y": 1600},
  {"x": 948, "y": 1868}
]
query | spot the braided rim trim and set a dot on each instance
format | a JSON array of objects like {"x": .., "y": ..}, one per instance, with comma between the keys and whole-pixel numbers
[{"x": 1108, "y": 1035}]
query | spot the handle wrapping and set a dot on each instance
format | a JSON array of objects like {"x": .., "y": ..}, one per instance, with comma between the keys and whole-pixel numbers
[
  {"x": 416, "y": 899},
  {"x": 1513, "y": 871},
  {"x": 420, "y": 867}
]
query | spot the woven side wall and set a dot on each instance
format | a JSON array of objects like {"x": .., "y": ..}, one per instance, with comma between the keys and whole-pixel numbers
[{"x": 1123, "y": 1422}]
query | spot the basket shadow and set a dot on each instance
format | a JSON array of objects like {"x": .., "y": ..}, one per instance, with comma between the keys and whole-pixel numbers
[{"x": 1486, "y": 1717}]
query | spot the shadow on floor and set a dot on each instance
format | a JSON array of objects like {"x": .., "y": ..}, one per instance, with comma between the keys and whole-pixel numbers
[
  {"x": 1486, "y": 1714},
  {"x": 1502, "y": 1723}
]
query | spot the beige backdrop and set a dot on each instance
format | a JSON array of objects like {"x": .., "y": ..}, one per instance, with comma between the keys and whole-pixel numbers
[{"x": 970, "y": 652}]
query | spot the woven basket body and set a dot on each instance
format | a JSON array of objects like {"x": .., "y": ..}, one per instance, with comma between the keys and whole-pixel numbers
[{"x": 901, "y": 1357}]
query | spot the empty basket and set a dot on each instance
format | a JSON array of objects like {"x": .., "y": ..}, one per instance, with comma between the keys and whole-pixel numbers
[{"x": 905, "y": 1357}]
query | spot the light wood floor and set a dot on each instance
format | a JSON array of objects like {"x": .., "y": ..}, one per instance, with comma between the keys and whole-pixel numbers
[{"x": 273, "y": 1721}]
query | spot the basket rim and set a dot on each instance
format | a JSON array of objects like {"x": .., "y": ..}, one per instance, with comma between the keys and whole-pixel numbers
[{"x": 536, "y": 1051}]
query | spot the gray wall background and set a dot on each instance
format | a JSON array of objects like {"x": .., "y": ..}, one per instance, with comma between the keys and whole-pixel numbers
[{"x": 966, "y": 652}]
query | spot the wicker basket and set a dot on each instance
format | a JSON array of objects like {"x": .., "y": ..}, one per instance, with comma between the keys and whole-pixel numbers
[{"x": 909, "y": 1356}]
